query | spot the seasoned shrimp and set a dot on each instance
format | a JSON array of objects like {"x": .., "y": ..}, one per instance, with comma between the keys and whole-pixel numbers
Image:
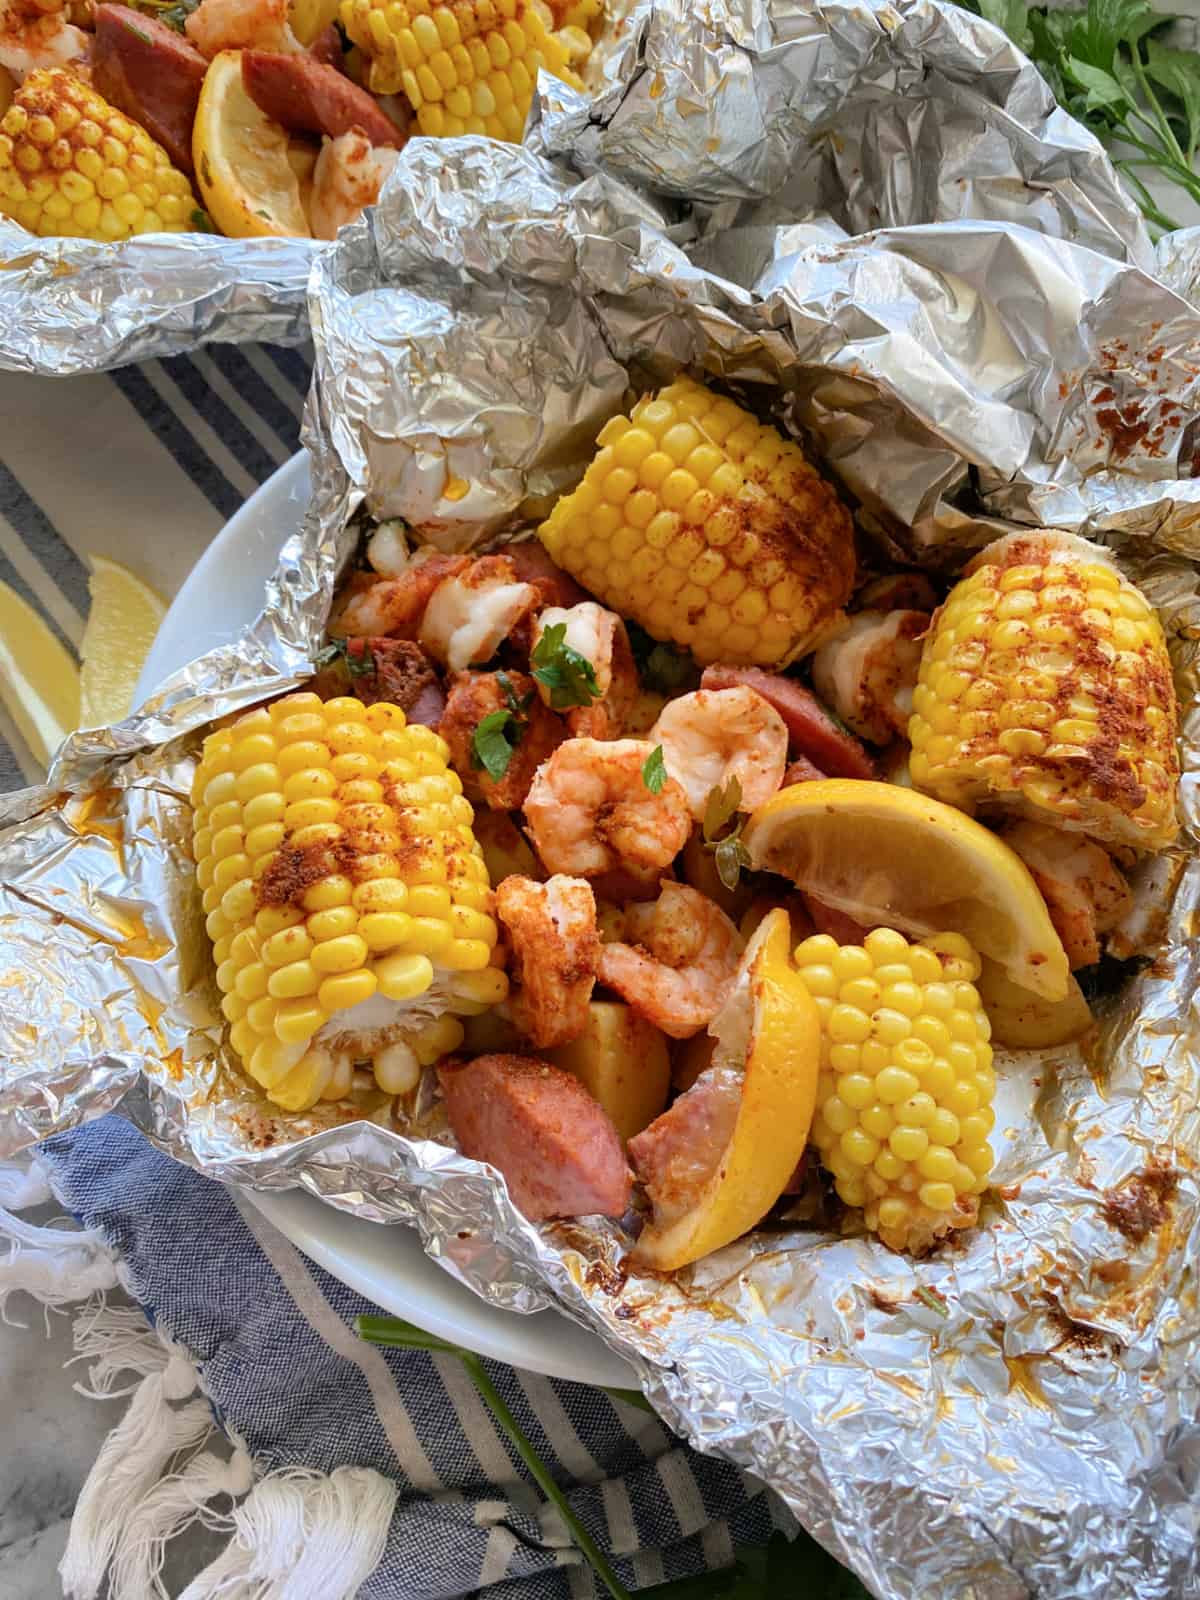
[
  {"x": 348, "y": 176},
  {"x": 470, "y": 615},
  {"x": 713, "y": 735},
  {"x": 679, "y": 963},
  {"x": 552, "y": 931},
  {"x": 868, "y": 672},
  {"x": 371, "y": 606},
  {"x": 1084, "y": 890},
  {"x": 531, "y": 731},
  {"x": 599, "y": 636},
  {"x": 591, "y": 813},
  {"x": 218, "y": 25},
  {"x": 36, "y": 33}
]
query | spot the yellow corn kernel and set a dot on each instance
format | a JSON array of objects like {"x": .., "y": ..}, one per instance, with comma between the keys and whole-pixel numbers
[
  {"x": 1026, "y": 735},
  {"x": 770, "y": 555},
  {"x": 906, "y": 1082},
  {"x": 467, "y": 66},
  {"x": 304, "y": 1085},
  {"x": 307, "y": 902},
  {"x": 72, "y": 164}
]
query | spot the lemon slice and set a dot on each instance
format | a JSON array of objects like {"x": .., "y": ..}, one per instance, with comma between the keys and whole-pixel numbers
[
  {"x": 779, "y": 1093},
  {"x": 39, "y": 681},
  {"x": 124, "y": 618},
  {"x": 890, "y": 856},
  {"x": 241, "y": 158}
]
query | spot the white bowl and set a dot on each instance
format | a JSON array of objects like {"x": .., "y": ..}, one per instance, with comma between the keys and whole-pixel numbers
[{"x": 222, "y": 595}]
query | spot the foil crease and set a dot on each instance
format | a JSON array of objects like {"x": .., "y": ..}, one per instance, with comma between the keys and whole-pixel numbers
[
  {"x": 71, "y": 306},
  {"x": 1013, "y": 1417}
]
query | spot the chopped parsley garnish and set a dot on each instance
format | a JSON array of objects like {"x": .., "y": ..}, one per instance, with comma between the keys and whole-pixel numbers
[
  {"x": 518, "y": 704},
  {"x": 359, "y": 663},
  {"x": 661, "y": 667},
  {"x": 720, "y": 811},
  {"x": 654, "y": 770},
  {"x": 495, "y": 740},
  {"x": 569, "y": 677}
]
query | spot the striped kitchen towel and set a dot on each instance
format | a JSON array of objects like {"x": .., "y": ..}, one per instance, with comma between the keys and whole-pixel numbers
[
  {"x": 143, "y": 465},
  {"x": 334, "y": 1467}
]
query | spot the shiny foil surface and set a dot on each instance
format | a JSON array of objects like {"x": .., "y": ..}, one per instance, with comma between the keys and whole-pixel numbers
[{"x": 1015, "y": 1416}]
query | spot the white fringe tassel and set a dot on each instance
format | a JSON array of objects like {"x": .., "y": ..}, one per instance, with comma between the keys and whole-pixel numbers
[{"x": 298, "y": 1534}]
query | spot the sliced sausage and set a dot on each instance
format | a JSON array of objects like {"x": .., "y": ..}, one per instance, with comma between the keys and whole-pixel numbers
[
  {"x": 801, "y": 770},
  {"x": 327, "y": 48},
  {"x": 396, "y": 670},
  {"x": 308, "y": 96},
  {"x": 811, "y": 730},
  {"x": 555, "y": 1146},
  {"x": 835, "y": 923},
  {"x": 152, "y": 74},
  {"x": 532, "y": 564}
]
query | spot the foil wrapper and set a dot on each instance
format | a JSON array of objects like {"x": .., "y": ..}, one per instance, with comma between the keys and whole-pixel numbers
[{"x": 1014, "y": 1416}]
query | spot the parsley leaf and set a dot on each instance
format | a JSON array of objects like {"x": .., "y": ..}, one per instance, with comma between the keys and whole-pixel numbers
[
  {"x": 359, "y": 663},
  {"x": 730, "y": 855},
  {"x": 654, "y": 770},
  {"x": 495, "y": 739},
  {"x": 518, "y": 704},
  {"x": 661, "y": 667},
  {"x": 569, "y": 677},
  {"x": 1106, "y": 69}
]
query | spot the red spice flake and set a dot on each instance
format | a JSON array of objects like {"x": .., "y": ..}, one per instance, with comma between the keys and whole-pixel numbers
[{"x": 1136, "y": 1208}]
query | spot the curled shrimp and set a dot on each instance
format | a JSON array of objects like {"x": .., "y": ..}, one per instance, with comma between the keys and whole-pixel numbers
[
  {"x": 371, "y": 606},
  {"x": 552, "y": 931},
  {"x": 713, "y": 735},
  {"x": 470, "y": 614},
  {"x": 590, "y": 812},
  {"x": 868, "y": 672},
  {"x": 218, "y": 25},
  {"x": 599, "y": 636},
  {"x": 36, "y": 33},
  {"x": 348, "y": 176},
  {"x": 677, "y": 961}
]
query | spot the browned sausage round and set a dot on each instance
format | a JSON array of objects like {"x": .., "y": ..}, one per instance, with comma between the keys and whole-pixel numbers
[
  {"x": 152, "y": 74},
  {"x": 537, "y": 1125},
  {"x": 812, "y": 732},
  {"x": 308, "y": 96}
]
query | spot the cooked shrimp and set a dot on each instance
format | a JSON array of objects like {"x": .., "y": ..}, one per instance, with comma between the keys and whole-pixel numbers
[
  {"x": 370, "y": 606},
  {"x": 218, "y": 25},
  {"x": 470, "y": 615},
  {"x": 1084, "y": 889},
  {"x": 599, "y": 636},
  {"x": 713, "y": 735},
  {"x": 868, "y": 672},
  {"x": 552, "y": 931},
  {"x": 680, "y": 962},
  {"x": 38, "y": 35},
  {"x": 348, "y": 176},
  {"x": 387, "y": 549},
  {"x": 590, "y": 812},
  {"x": 533, "y": 733}
]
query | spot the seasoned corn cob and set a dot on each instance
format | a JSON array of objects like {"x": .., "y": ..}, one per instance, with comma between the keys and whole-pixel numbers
[
  {"x": 904, "y": 1099},
  {"x": 467, "y": 66},
  {"x": 708, "y": 528},
  {"x": 347, "y": 900},
  {"x": 1045, "y": 688},
  {"x": 72, "y": 164}
]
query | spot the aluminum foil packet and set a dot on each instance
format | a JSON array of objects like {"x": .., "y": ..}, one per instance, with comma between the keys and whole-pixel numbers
[
  {"x": 884, "y": 114},
  {"x": 1013, "y": 1416}
]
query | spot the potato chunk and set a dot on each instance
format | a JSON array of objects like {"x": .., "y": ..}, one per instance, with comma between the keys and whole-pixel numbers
[{"x": 622, "y": 1060}]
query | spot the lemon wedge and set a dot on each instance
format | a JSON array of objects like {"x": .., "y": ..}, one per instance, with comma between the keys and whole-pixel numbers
[
  {"x": 890, "y": 856},
  {"x": 121, "y": 626},
  {"x": 241, "y": 158},
  {"x": 772, "y": 1007},
  {"x": 39, "y": 681}
]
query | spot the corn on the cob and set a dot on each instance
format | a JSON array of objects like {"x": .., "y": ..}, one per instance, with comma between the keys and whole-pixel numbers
[
  {"x": 72, "y": 164},
  {"x": 347, "y": 900},
  {"x": 1045, "y": 688},
  {"x": 467, "y": 66},
  {"x": 708, "y": 528},
  {"x": 904, "y": 1099}
]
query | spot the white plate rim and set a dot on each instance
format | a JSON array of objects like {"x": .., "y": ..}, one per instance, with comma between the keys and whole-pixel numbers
[{"x": 383, "y": 1262}]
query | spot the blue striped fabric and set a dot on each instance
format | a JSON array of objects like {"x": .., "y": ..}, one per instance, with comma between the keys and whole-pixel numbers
[{"x": 144, "y": 465}]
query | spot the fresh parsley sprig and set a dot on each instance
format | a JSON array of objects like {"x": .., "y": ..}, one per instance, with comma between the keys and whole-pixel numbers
[
  {"x": 494, "y": 742},
  {"x": 780, "y": 1568},
  {"x": 721, "y": 830},
  {"x": 1123, "y": 84},
  {"x": 654, "y": 770},
  {"x": 568, "y": 677}
]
